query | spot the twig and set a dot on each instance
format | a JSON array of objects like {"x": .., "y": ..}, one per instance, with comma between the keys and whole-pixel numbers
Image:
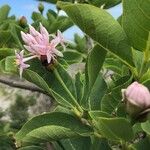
[{"x": 15, "y": 84}]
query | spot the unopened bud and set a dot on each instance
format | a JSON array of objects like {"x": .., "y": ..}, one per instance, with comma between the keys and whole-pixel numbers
[
  {"x": 41, "y": 7},
  {"x": 136, "y": 98},
  {"x": 23, "y": 21}
]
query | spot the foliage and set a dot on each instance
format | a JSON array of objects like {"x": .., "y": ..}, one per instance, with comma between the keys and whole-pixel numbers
[{"x": 89, "y": 113}]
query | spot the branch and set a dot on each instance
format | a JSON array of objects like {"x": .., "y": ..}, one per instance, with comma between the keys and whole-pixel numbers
[{"x": 24, "y": 86}]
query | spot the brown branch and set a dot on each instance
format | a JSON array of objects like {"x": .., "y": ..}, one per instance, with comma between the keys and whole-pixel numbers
[{"x": 22, "y": 85}]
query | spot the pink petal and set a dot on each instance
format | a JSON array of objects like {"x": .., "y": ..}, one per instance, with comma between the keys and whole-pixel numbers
[
  {"x": 58, "y": 53},
  {"x": 30, "y": 49},
  {"x": 45, "y": 33},
  {"x": 24, "y": 37},
  {"x": 49, "y": 57},
  {"x": 33, "y": 32}
]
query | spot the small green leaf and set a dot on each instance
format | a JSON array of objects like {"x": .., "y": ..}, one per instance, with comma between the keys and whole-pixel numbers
[
  {"x": 112, "y": 99},
  {"x": 38, "y": 80},
  {"x": 95, "y": 86},
  {"x": 63, "y": 23},
  {"x": 7, "y": 39},
  {"x": 4, "y": 11},
  {"x": 10, "y": 65},
  {"x": 94, "y": 64},
  {"x": 145, "y": 80},
  {"x": 114, "y": 128},
  {"x": 72, "y": 56},
  {"x": 96, "y": 94},
  {"x": 51, "y": 16},
  {"x": 81, "y": 45},
  {"x": 79, "y": 87},
  {"x": 146, "y": 126},
  {"x": 4, "y": 52}
]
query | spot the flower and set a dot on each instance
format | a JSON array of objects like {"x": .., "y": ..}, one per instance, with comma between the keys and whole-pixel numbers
[
  {"x": 137, "y": 98},
  {"x": 37, "y": 43},
  {"x": 20, "y": 61}
]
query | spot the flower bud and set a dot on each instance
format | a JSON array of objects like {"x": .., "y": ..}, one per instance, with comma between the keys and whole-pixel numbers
[
  {"x": 23, "y": 21},
  {"x": 136, "y": 98},
  {"x": 41, "y": 7}
]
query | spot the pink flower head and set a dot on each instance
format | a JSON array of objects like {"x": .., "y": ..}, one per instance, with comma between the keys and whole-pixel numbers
[
  {"x": 136, "y": 95},
  {"x": 38, "y": 43},
  {"x": 20, "y": 61}
]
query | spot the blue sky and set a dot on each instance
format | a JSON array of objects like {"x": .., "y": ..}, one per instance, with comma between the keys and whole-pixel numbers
[{"x": 25, "y": 8}]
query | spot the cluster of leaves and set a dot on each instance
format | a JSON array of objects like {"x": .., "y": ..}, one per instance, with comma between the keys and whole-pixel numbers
[{"x": 90, "y": 114}]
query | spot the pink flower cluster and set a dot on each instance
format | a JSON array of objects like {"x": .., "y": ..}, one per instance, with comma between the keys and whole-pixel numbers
[{"x": 39, "y": 44}]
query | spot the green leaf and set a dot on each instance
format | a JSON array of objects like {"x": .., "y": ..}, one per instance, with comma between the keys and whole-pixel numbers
[
  {"x": 10, "y": 65},
  {"x": 51, "y": 16},
  {"x": 49, "y": 133},
  {"x": 4, "y": 52},
  {"x": 95, "y": 86},
  {"x": 59, "y": 81},
  {"x": 102, "y": 27},
  {"x": 64, "y": 23},
  {"x": 136, "y": 23},
  {"x": 6, "y": 142},
  {"x": 94, "y": 64},
  {"x": 100, "y": 144},
  {"x": 53, "y": 1},
  {"x": 31, "y": 148},
  {"x": 72, "y": 56},
  {"x": 145, "y": 80},
  {"x": 2, "y": 66},
  {"x": 79, "y": 87},
  {"x": 113, "y": 64},
  {"x": 81, "y": 44},
  {"x": 38, "y": 80},
  {"x": 49, "y": 1},
  {"x": 146, "y": 126},
  {"x": 81, "y": 143},
  {"x": 114, "y": 128},
  {"x": 106, "y": 3},
  {"x": 63, "y": 110},
  {"x": 144, "y": 143},
  {"x": 111, "y": 101},
  {"x": 7, "y": 39},
  {"x": 97, "y": 114},
  {"x": 4, "y": 11},
  {"x": 52, "y": 126},
  {"x": 56, "y": 82},
  {"x": 96, "y": 94},
  {"x": 37, "y": 16},
  {"x": 15, "y": 31}
]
